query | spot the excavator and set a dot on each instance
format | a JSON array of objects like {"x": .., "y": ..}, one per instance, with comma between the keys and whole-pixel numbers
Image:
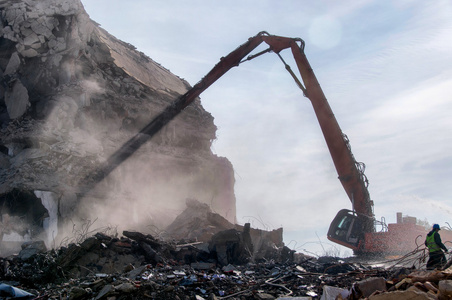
[{"x": 353, "y": 228}]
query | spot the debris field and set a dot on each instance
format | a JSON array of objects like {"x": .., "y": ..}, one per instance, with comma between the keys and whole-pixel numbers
[{"x": 138, "y": 266}]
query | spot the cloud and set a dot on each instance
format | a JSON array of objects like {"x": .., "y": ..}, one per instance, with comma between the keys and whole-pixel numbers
[{"x": 325, "y": 32}]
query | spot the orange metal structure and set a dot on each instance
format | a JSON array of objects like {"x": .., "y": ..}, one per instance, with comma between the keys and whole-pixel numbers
[{"x": 356, "y": 228}]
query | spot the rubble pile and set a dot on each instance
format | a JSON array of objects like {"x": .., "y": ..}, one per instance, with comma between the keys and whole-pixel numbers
[
  {"x": 138, "y": 266},
  {"x": 233, "y": 242}
]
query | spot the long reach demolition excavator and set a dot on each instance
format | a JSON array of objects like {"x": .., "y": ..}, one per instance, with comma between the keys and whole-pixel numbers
[{"x": 353, "y": 228}]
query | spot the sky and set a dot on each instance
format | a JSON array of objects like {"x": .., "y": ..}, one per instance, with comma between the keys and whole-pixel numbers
[{"x": 384, "y": 66}]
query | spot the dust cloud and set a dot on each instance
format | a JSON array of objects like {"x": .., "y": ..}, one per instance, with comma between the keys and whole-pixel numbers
[{"x": 147, "y": 191}]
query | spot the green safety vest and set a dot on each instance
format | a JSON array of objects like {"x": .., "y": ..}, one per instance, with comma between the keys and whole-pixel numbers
[{"x": 431, "y": 244}]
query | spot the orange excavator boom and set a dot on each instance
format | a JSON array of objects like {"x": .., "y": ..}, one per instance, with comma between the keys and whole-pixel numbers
[{"x": 349, "y": 171}]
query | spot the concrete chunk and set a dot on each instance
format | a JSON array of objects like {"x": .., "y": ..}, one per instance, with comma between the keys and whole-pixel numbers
[
  {"x": 31, "y": 39},
  {"x": 13, "y": 64},
  {"x": 16, "y": 99},
  {"x": 331, "y": 292},
  {"x": 32, "y": 15},
  {"x": 107, "y": 289},
  {"x": 29, "y": 53},
  {"x": 40, "y": 28},
  {"x": 445, "y": 288},
  {"x": 401, "y": 295},
  {"x": 370, "y": 285},
  {"x": 8, "y": 33}
]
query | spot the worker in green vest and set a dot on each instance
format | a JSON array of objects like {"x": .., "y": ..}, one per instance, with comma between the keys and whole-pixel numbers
[{"x": 436, "y": 257}]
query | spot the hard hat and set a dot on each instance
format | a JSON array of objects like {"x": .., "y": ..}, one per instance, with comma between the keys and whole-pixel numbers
[{"x": 436, "y": 226}]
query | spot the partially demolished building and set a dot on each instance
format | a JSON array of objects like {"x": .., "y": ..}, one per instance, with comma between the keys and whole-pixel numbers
[{"x": 71, "y": 95}]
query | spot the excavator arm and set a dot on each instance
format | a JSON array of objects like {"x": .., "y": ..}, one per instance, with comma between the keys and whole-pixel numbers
[{"x": 350, "y": 176}]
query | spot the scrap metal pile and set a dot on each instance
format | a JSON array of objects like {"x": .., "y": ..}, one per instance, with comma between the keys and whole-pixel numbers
[{"x": 138, "y": 266}]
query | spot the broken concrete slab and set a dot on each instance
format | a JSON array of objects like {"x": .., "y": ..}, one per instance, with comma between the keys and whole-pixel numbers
[
  {"x": 13, "y": 64},
  {"x": 370, "y": 285},
  {"x": 29, "y": 53},
  {"x": 31, "y": 39},
  {"x": 332, "y": 293},
  {"x": 401, "y": 295},
  {"x": 30, "y": 249},
  {"x": 445, "y": 288},
  {"x": 16, "y": 99}
]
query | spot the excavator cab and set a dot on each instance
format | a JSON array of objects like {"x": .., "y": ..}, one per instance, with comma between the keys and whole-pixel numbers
[{"x": 346, "y": 229}]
